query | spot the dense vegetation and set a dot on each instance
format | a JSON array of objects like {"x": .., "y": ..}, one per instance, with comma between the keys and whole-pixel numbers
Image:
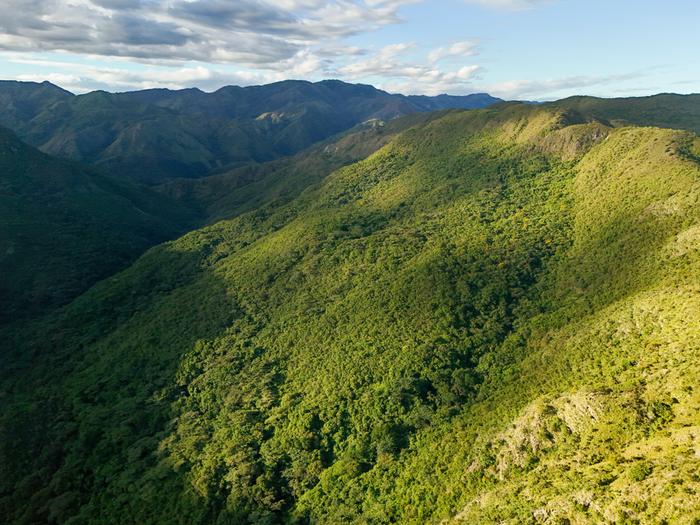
[
  {"x": 493, "y": 318},
  {"x": 156, "y": 134},
  {"x": 63, "y": 227},
  {"x": 666, "y": 110},
  {"x": 231, "y": 192}
]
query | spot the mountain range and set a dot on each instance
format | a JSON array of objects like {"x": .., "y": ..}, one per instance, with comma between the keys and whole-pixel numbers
[
  {"x": 428, "y": 315},
  {"x": 157, "y": 134}
]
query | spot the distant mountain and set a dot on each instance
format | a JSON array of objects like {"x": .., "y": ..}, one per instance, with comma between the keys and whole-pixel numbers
[
  {"x": 157, "y": 134},
  {"x": 473, "y": 101},
  {"x": 64, "y": 226},
  {"x": 21, "y": 102},
  {"x": 492, "y": 318}
]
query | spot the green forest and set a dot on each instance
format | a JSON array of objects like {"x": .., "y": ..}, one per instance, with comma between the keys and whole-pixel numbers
[{"x": 472, "y": 316}]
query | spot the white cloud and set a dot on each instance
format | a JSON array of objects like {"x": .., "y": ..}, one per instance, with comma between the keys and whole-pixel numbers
[
  {"x": 412, "y": 79},
  {"x": 391, "y": 67},
  {"x": 395, "y": 72},
  {"x": 456, "y": 50},
  {"x": 384, "y": 62},
  {"x": 554, "y": 88},
  {"x": 209, "y": 43},
  {"x": 510, "y": 5},
  {"x": 255, "y": 33},
  {"x": 80, "y": 78}
]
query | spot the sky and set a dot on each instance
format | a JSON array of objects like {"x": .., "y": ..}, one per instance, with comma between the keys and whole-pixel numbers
[{"x": 514, "y": 49}]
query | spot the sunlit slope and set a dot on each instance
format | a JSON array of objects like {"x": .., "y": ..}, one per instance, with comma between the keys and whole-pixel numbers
[
  {"x": 494, "y": 318},
  {"x": 234, "y": 191}
]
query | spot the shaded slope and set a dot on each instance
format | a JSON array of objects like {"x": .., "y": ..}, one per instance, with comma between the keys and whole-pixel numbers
[
  {"x": 63, "y": 227},
  {"x": 492, "y": 318},
  {"x": 23, "y": 101}
]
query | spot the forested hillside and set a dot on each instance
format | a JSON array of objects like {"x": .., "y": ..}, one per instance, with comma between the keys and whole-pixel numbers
[
  {"x": 228, "y": 193},
  {"x": 494, "y": 318},
  {"x": 64, "y": 226},
  {"x": 666, "y": 110},
  {"x": 157, "y": 134}
]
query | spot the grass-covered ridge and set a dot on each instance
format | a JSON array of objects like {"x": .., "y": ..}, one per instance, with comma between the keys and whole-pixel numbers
[{"x": 494, "y": 318}]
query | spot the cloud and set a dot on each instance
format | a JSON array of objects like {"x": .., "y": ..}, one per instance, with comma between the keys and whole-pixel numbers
[
  {"x": 555, "y": 88},
  {"x": 458, "y": 49},
  {"x": 397, "y": 76},
  {"x": 256, "y": 33},
  {"x": 384, "y": 62},
  {"x": 396, "y": 72},
  {"x": 210, "y": 43},
  {"x": 510, "y": 5},
  {"x": 80, "y": 78},
  {"x": 240, "y": 15},
  {"x": 392, "y": 67}
]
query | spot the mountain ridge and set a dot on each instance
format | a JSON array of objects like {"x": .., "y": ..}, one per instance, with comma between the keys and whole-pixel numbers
[{"x": 155, "y": 134}]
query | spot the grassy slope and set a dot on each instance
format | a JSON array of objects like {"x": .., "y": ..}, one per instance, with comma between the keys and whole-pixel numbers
[
  {"x": 64, "y": 227},
  {"x": 493, "y": 318}
]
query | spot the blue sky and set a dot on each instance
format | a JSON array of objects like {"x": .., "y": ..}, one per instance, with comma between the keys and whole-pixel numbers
[{"x": 523, "y": 49}]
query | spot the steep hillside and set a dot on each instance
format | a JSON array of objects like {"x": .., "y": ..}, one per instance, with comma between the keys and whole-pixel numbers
[
  {"x": 157, "y": 134},
  {"x": 232, "y": 192},
  {"x": 493, "y": 318},
  {"x": 64, "y": 227}
]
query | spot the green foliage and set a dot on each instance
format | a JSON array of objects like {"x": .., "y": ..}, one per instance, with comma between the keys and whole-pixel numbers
[
  {"x": 493, "y": 318},
  {"x": 640, "y": 471},
  {"x": 232, "y": 192},
  {"x": 64, "y": 227},
  {"x": 665, "y": 110}
]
